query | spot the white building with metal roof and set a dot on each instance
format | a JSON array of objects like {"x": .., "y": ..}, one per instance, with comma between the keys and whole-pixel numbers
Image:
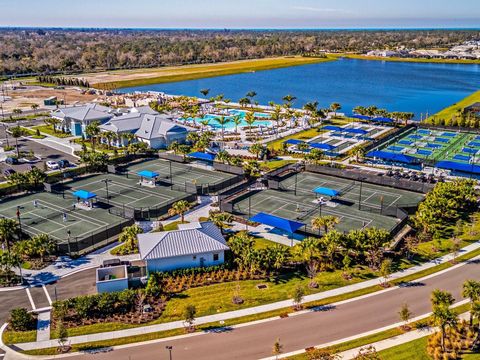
[{"x": 192, "y": 245}]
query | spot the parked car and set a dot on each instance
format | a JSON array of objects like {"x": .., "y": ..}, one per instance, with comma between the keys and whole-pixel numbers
[
  {"x": 63, "y": 163},
  {"x": 11, "y": 160},
  {"x": 52, "y": 165},
  {"x": 8, "y": 172}
]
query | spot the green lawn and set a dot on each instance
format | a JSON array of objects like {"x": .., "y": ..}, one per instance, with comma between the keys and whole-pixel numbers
[
  {"x": 448, "y": 112},
  {"x": 275, "y": 164},
  {"x": 302, "y": 135},
  {"x": 47, "y": 129},
  {"x": 16, "y": 337},
  {"x": 32, "y": 133}
]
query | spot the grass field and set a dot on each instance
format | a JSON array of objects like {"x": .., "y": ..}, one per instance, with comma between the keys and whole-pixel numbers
[
  {"x": 127, "y": 78},
  {"x": 47, "y": 129},
  {"x": 303, "y": 206},
  {"x": 448, "y": 112}
]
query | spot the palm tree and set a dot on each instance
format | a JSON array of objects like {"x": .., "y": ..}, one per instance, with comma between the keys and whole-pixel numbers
[
  {"x": 17, "y": 111},
  {"x": 251, "y": 95},
  {"x": 174, "y": 146},
  {"x": 475, "y": 312},
  {"x": 41, "y": 245},
  {"x": 16, "y": 133},
  {"x": 250, "y": 120},
  {"x": 8, "y": 228},
  {"x": 289, "y": 99},
  {"x": 34, "y": 108},
  {"x": 444, "y": 317},
  {"x": 92, "y": 131},
  {"x": 204, "y": 92},
  {"x": 237, "y": 120},
  {"x": 129, "y": 137},
  {"x": 223, "y": 156},
  {"x": 244, "y": 102},
  {"x": 35, "y": 177},
  {"x": 109, "y": 136},
  {"x": 179, "y": 208},
  {"x": 441, "y": 298},
  {"x": 326, "y": 222},
  {"x": 309, "y": 252},
  {"x": 129, "y": 237},
  {"x": 184, "y": 150},
  {"x": 335, "y": 107},
  {"x": 256, "y": 149},
  {"x": 471, "y": 290},
  {"x": 220, "y": 219},
  {"x": 276, "y": 117},
  {"x": 222, "y": 121},
  {"x": 204, "y": 124},
  {"x": 360, "y": 110}
]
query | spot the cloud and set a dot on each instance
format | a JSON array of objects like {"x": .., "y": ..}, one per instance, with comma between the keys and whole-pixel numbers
[{"x": 315, "y": 9}]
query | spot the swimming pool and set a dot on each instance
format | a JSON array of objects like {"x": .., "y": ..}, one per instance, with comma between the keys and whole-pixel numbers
[{"x": 212, "y": 120}]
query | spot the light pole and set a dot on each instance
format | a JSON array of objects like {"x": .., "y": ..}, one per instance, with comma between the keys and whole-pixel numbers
[
  {"x": 106, "y": 181},
  {"x": 169, "y": 348},
  {"x": 68, "y": 240}
]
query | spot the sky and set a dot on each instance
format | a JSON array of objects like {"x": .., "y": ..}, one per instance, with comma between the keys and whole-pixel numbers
[{"x": 241, "y": 13}]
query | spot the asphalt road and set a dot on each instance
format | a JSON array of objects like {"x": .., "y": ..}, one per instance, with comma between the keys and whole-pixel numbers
[{"x": 298, "y": 332}]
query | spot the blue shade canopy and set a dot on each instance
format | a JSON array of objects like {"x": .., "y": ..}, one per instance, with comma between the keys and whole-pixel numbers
[
  {"x": 293, "y": 142},
  {"x": 396, "y": 148},
  {"x": 462, "y": 157},
  {"x": 405, "y": 142},
  {"x": 474, "y": 144},
  {"x": 424, "y": 152},
  {"x": 326, "y": 191},
  {"x": 322, "y": 146},
  {"x": 449, "y": 134},
  {"x": 361, "y": 117},
  {"x": 452, "y": 165},
  {"x": 84, "y": 194},
  {"x": 423, "y": 132},
  {"x": 442, "y": 140},
  {"x": 289, "y": 226},
  {"x": 332, "y": 128},
  {"x": 469, "y": 150},
  {"x": 434, "y": 146},
  {"x": 355, "y": 131},
  {"x": 202, "y": 156},
  {"x": 383, "y": 119},
  {"x": 148, "y": 174},
  {"x": 386, "y": 155}
]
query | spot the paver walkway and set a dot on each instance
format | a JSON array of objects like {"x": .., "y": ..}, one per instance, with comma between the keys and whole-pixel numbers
[
  {"x": 252, "y": 310},
  {"x": 43, "y": 325}
]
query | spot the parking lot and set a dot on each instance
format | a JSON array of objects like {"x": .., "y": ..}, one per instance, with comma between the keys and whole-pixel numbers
[{"x": 46, "y": 153}]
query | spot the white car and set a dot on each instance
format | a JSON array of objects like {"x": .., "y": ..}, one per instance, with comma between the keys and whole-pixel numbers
[{"x": 52, "y": 165}]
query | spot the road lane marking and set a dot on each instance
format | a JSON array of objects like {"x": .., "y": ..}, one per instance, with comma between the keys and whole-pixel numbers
[
  {"x": 47, "y": 295},
  {"x": 30, "y": 298}
]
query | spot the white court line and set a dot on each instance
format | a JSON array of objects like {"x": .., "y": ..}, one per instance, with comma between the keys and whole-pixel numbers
[
  {"x": 30, "y": 298},
  {"x": 47, "y": 294},
  {"x": 81, "y": 217}
]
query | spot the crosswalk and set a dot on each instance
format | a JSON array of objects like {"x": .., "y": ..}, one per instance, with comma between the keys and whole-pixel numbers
[{"x": 38, "y": 297}]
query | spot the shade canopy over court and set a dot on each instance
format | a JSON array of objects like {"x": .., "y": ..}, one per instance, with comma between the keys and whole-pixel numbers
[
  {"x": 360, "y": 117},
  {"x": 293, "y": 142},
  {"x": 385, "y": 155},
  {"x": 355, "y": 131},
  {"x": 289, "y": 226},
  {"x": 84, "y": 194},
  {"x": 332, "y": 128},
  {"x": 452, "y": 165},
  {"x": 326, "y": 191},
  {"x": 198, "y": 155},
  {"x": 148, "y": 174},
  {"x": 322, "y": 146},
  {"x": 382, "y": 120}
]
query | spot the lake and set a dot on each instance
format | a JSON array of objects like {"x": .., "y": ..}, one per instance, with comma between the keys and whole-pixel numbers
[{"x": 420, "y": 88}]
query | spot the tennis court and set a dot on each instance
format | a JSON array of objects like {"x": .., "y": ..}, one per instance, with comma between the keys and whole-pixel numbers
[
  {"x": 181, "y": 173},
  {"x": 43, "y": 213},
  {"x": 124, "y": 192},
  {"x": 304, "y": 206}
]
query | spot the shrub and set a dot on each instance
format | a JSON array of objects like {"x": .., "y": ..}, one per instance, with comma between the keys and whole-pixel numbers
[{"x": 21, "y": 320}]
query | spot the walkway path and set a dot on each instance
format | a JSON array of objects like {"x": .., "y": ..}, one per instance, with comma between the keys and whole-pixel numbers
[
  {"x": 60, "y": 144},
  {"x": 43, "y": 325},
  {"x": 259, "y": 309}
]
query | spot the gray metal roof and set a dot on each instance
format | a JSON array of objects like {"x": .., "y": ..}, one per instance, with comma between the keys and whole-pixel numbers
[
  {"x": 196, "y": 238},
  {"x": 155, "y": 126},
  {"x": 88, "y": 112},
  {"x": 126, "y": 123}
]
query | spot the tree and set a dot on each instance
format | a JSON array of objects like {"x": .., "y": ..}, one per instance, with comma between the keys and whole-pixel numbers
[
  {"x": 441, "y": 298},
  {"x": 220, "y": 219},
  {"x": 189, "y": 316},
  {"x": 17, "y": 132},
  {"x": 289, "y": 99},
  {"x": 53, "y": 122},
  {"x": 184, "y": 150},
  {"x": 277, "y": 348},
  {"x": 8, "y": 228},
  {"x": 174, "y": 146},
  {"x": 223, "y": 156},
  {"x": 471, "y": 290},
  {"x": 244, "y": 102},
  {"x": 367, "y": 353},
  {"x": 35, "y": 177},
  {"x": 204, "y": 92},
  {"x": 62, "y": 334},
  {"x": 21, "y": 319},
  {"x": 256, "y": 149},
  {"x": 309, "y": 252},
  {"x": 92, "y": 130},
  {"x": 250, "y": 120},
  {"x": 444, "y": 317},
  {"x": 129, "y": 238},
  {"x": 321, "y": 354},
  {"x": 34, "y": 108},
  {"x": 94, "y": 160},
  {"x": 17, "y": 111},
  {"x": 405, "y": 314},
  {"x": 179, "y": 208},
  {"x": 386, "y": 270},
  {"x": 237, "y": 120},
  {"x": 222, "y": 121},
  {"x": 335, "y": 107},
  {"x": 327, "y": 222},
  {"x": 298, "y": 294}
]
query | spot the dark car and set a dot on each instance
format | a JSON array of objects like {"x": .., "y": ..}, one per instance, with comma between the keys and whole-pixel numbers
[
  {"x": 11, "y": 161},
  {"x": 8, "y": 172},
  {"x": 64, "y": 163}
]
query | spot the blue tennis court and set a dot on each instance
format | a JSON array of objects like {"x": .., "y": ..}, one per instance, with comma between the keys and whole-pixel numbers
[
  {"x": 395, "y": 148},
  {"x": 424, "y": 152},
  {"x": 469, "y": 150},
  {"x": 462, "y": 157},
  {"x": 442, "y": 140},
  {"x": 434, "y": 146},
  {"x": 449, "y": 134},
  {"x": 405, "y": 142}
]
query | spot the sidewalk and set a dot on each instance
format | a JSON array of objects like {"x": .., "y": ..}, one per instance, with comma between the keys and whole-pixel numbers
[
  {"x": 257, "y": 309},
  {"x": 60, "y": 144}
]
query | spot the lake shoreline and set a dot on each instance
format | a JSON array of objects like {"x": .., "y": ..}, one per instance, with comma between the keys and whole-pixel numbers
[{"x": 406, "y": 60}]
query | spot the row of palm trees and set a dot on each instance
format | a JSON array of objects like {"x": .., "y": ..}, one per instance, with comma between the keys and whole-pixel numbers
[{"x": 375, "y": 111}]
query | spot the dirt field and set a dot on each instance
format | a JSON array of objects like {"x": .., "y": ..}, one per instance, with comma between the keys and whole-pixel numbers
[{"x": 25, "y": 98}]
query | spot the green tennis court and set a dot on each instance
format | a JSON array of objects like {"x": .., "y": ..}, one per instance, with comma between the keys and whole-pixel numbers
[
  {"x": 303, "y": 205},
  {"x": 181, "y": 173}
]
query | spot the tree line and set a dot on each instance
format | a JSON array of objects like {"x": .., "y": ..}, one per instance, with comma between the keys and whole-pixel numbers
[
  {"x": 29, "y": 51},
  {"x": 67, "y": 81}
]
